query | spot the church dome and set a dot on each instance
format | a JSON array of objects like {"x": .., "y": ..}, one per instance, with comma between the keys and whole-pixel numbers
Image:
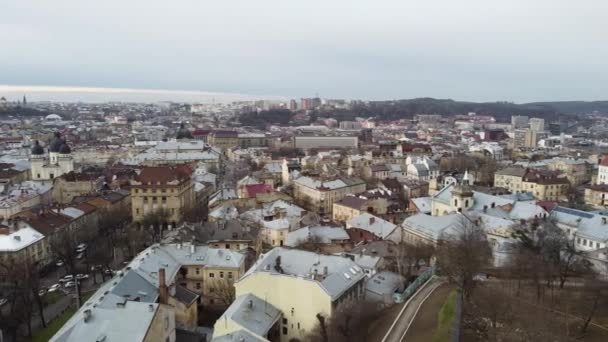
[
  {"x": 184, "y": 133},
  {"x": 56, "y": 143},
  {"x": 37, "y": 149},
  {"x": 64, "y": 149}
]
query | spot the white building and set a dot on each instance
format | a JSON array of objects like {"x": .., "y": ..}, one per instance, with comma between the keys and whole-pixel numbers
[{"x": 58, "y": 161}]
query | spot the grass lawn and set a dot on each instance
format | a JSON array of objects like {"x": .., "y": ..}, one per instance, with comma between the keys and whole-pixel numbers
[
  {"x": 446, "y": 318},
  {"x": 51, "y": 298},
  {"x": 54, "y": 326}
]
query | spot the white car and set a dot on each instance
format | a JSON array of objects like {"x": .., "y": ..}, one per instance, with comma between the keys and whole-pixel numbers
[
  {"x": 82, "y": 276},
  {"x": 41, "y": 293},
  {"x": 67, "y": 278},
  {"x": 82, "y": 246},
  {"x": 3, "y": 301},
  {"x": 70, "y": 284},
  {"x": 54, "y": 288},
  {"x": 80, "y": 256},
  {"x": 59, "y": 263}
]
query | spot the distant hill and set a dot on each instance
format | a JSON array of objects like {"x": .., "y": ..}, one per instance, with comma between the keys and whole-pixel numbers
[
  {"x": 502, "y": 111},
  {"x": 574, "y": 107}
]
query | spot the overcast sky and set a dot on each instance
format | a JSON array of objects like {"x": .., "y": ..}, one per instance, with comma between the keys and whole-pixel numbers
[{"x": 515, "y": 50}]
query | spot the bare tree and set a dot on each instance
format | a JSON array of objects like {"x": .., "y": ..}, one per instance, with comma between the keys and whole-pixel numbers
[
  {"x": 222, "y": 290},
  {"x": 156, "y": 220},
  {"x": 349, "y": 323},
  {"x": 464, "y": 253},
  {"x": 410, "y": 257}
]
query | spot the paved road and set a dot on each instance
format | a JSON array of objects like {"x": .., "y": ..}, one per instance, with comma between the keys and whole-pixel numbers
[{"x": 407, "y": 315}]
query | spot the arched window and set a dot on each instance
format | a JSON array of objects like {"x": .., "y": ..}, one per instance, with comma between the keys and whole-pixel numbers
[{"x": 455, "y": 202}]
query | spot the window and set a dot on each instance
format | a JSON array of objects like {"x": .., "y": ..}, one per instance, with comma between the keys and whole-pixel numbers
[
  {"x": 284, "y": 321},
  {"x": 284, "y": 330},
  {"x": 230, "y": 273},
  {"x": 137, "y": 211},
  {"x": 197, "y": 270},
  {"x": 198, "y": 286},
  {"x": 136, "y": 191},
  {"x": 51, "y": 176},
  {"x": 222, "y": 275},
  {"x": 164, "y": 199},
  {"x": 211, "y": 275},
  {"x": 227, "y": 246}
]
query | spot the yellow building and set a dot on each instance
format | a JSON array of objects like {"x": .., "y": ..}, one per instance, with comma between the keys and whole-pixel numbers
[
  {"x": 301, "y": 285},
  {"x": 224, "y": 139},
  {"x": 21, "y": 244},
  {"x": 510, "y": 178},
  {"x": 72, "y": 184},
  {"x": 168, "y": 188},
  {"x": 545, "y": 186},
  {"x": 319, "y": 195},
  {"x": 212, "y": 274},
  {"x": 597, "y": 195}
]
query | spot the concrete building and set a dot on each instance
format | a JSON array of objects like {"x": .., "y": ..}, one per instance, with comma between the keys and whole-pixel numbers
[
  {"x": 162, "y": 187},
  {"x": 319, "y": 195},
  {"x": 537, "y": 124},
  {"x": 519, "y": 121},
  {"x": 327, "y": 281},
  {"x": 20, "y": 244},
  {"x": 510, "y": 178},
  {"x": 602, "y": 171},
  {"x": 308, "y": 142},
  {"x": 150, "y": 299},
  {"x": 73, "y": 184}
]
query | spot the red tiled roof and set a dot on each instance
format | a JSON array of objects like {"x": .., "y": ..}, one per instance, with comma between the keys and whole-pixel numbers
[
  {"x": 254, "y": 189},
  {"x": 164, "y": 174},
  {"x": 604, "y": 161}
]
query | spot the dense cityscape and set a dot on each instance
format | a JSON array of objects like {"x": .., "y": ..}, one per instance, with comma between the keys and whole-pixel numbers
[{"x": 301, "y": 220}]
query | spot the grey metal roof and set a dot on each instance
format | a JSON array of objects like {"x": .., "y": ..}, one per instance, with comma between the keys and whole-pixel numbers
[
  {"x": 239, "y": 336},
  {"x": 184, "y": 295},
  {"x": 372, "y": 224},
  {"x": 385, "y": 282},
  {"x": 342, "y": 273},
  {"x": 323, "y": 234},
  {"x": 252, "y": 313}
]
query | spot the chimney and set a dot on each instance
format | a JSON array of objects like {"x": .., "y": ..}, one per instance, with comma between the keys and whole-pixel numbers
[
  {"x": 87, "y": 315},
  {"x": 163, "y": 292},
  {"x": 603, "y": 220},
  {"x": 372, "y": 220}
]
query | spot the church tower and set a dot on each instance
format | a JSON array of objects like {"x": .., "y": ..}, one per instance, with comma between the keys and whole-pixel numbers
[{"x": 462, "y": 195}]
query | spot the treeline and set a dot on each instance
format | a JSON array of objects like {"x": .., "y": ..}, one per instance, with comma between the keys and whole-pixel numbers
[
  {"x": 261, "y": 119},
  {"x": 21, "y": 111}
]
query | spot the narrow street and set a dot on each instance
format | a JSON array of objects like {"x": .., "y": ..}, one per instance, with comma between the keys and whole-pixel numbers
[{"x": 400, "y": 327}]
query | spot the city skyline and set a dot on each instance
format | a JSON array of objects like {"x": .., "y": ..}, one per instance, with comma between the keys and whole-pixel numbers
[{"x": 516, "y": 51}]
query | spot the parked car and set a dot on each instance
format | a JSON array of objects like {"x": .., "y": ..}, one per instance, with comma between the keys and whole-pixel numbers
[
  {"x": 82, "y": 276},
  {"x": 3, "y": 301},
  {"x": 67, "y": 278},
  {"x": 70, "y": 284},
  {"x": 41, "y": 293},
  {"x": 82, "y": 246},
  {"x": 109, "y": 272},
  {"x": 80, "y": 256},
  {"x": 54, "y": 288},
  {"x": 59, "y": 263}
]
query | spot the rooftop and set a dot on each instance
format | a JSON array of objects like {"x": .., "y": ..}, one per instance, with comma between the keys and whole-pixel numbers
[{"x": 342, "y": 273}]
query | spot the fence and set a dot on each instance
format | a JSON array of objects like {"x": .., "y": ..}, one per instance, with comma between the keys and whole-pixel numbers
[
  {"x": 455, "y": 331},
  {"x": 411, "y": 289}
]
